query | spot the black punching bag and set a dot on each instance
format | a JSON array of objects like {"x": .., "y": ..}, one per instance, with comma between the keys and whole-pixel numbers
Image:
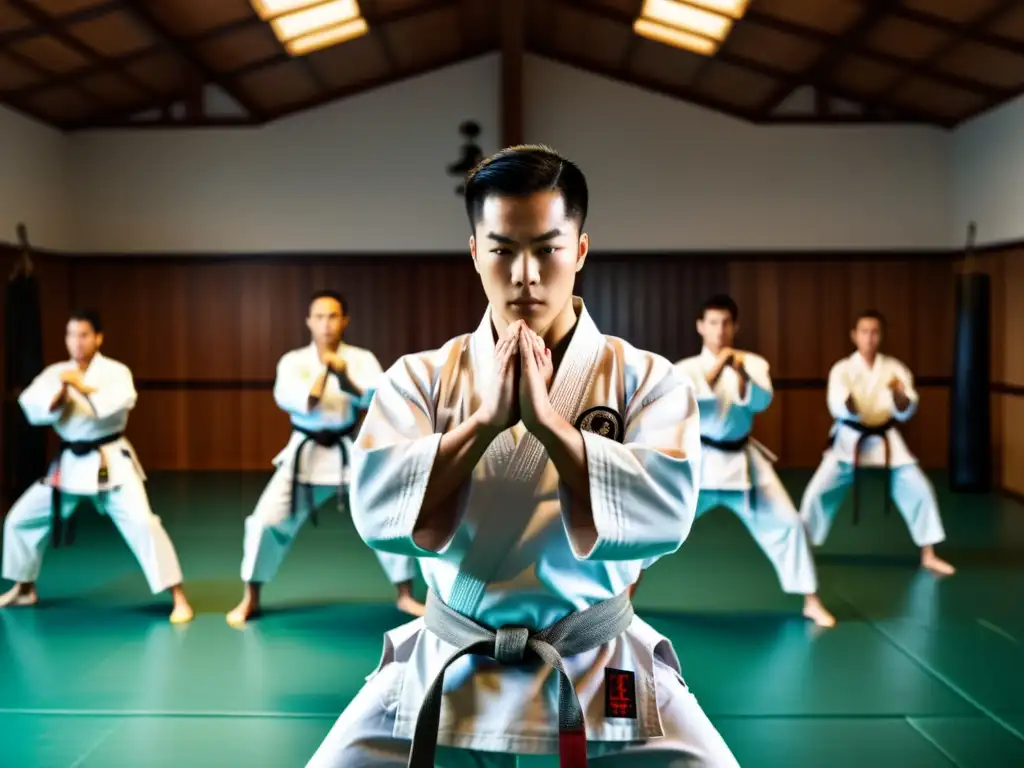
[
  {"x": 970, "y": 440},
  {"x": 24, "y": 446}
]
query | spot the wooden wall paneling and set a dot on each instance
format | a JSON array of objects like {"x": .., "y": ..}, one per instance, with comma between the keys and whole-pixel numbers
[
  {"x": 1013, "y": 443},
  {"x": 837, "y": 310},
  {"x": 804, "y": 413},
  {"x": 1013, "y": 318},
  {"x": 1012, "y": 310}
]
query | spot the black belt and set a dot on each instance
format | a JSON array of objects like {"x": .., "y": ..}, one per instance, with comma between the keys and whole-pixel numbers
[
  {"x": 736, "y": 446},
  {"x": 79, "y": 448},
  {"x": 326, "y": 438},
  {"x": 881, "y": 431}
]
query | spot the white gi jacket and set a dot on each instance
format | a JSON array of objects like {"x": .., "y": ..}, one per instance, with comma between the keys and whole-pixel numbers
[
  {"x": 337, "y": 410},
  {"x": 511, "y": 544},
  {"x": 869, "y": 386},
  {"x": 103, "y": 413},
  {"x": 726, "y": 417}
]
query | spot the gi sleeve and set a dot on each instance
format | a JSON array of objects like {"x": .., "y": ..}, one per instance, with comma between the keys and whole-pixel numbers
[
  {"x": 643, "y": 491},
  {"x": 907, "y": 378},
  {"x": 114, "y": 394},
  {"x": 759, "y": 392},
  {"x": 393, "y": 457},
  {"x": 36, "y": 398},
  {"x": 839, "y": 393},
  {"x": 293, "y": 383}
]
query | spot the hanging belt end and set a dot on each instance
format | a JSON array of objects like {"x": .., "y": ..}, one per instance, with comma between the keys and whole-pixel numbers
[{"x": 572, "y": 748}]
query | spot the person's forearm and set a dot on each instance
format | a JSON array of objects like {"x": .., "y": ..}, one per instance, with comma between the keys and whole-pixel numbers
[
  {"x": 457, "y": 455},
  {"x": 565, "y": 446},
  {"x": 715, "y": 373},
  {"x": 316, "y": 393},
  {"x": 60, "y": 400}
]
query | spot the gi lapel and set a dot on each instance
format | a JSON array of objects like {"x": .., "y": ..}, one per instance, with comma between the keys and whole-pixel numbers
[{"x": 568, "y": 394}]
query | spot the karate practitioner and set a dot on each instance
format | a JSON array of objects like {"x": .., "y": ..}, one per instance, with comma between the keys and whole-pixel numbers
[
  {"x": 868, "y": 395},
  {"x": 531, "y": 466},
  {"x": 87, "y": 401},
  {"x": 324, "y": 388},
  {"x": 732, "y": 387}
]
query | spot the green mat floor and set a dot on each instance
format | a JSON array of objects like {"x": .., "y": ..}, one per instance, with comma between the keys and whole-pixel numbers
[{"x": 920, "y": 672}]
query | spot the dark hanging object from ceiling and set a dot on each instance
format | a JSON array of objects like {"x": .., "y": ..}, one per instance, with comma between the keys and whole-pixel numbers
[{"x": 471, "y": 154}]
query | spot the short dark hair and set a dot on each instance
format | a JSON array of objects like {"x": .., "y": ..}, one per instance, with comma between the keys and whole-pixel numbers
[
  {"x": 328, "y": 294},
  {"x": 869, "y": 314},
  {"x": 522, "y": 171},
  {"x": 90, "y": 316},
  {"x": 723, "y": 302}
]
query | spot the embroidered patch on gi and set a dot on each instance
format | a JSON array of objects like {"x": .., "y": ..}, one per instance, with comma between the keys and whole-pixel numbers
[
  {"x": 601, "y": 421},
  {"x": 619, "y": 693}
]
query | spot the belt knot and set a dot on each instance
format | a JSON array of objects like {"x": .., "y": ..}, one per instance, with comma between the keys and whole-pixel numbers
[{"x": 510, "y": 644}]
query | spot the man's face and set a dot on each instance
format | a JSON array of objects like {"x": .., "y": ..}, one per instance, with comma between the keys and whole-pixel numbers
[
  {"x": 82, "y": 340},
  {"x": 717, "y": 328},
  {"x": 867, "y": 336},
  {"x": 527, "y": 254},
  {"x": 326, "y": 322}
]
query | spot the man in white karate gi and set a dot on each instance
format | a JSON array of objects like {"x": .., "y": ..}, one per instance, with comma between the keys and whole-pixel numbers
[
  {"x": 325, "y": 388},
  {"x": 869, "y": 394},
  {"x": 86, "y": 400},
  {"x": 732, "y": 387},
  {"x": 531, "y": 466}
]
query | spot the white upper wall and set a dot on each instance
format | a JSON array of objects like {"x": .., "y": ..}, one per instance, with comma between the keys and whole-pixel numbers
[
  {"x": 988, "y": 176},
  {"x": 668, "y": 175},
  {"x": 33, "y": 160},
  {"x": 368, "y": 174},
  {"x": 364, "y": 174}
]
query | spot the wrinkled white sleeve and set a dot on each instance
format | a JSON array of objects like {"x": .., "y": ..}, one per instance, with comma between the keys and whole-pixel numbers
[
  {"x": 905, "y": 376},
  {"x": 293, "y": 383},
  {"x": 393, "y": 457},
  {"x": 759, "y": 392},
  {"x": 35, "y": 400},
  {"x": 838, "y": 394},
  {"x": 643, "y": 491},
  {"x": 114, "y": 394}
]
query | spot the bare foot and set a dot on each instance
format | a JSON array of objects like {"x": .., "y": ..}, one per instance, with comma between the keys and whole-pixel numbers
[
  {"x": 19, "y": 596},
  {"x": 182, "y": 612},
  {"x": 249, "y": 608},
  {"x": 934, "y": 563},
  {"x": 816, "y": 612},
  {"x": 408, "y": 604}
]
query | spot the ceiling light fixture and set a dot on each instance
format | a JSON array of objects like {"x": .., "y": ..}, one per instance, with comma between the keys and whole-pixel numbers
[{"x": 698, "y": 26}]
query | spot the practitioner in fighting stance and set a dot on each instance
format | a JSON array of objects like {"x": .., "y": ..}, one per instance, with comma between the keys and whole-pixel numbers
[
  {"x": 869, "y": 394},
  {"x": 732, "y": 387},
  {"x": 86, "y": 400},
  {"x": 531, "y": 466},
  {"x": 325, "y": 389}
]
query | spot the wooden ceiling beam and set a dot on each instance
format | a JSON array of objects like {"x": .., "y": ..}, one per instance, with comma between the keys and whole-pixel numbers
[
  {"x": 819, "y": 72},
  {"x": 640, "y": 81},
  {"x": 963, "y": 34},
  {"x": 370, "y": 7},
  {"x": 13, "y": 36},
  {"x": 973, "y": 32},
  {"x": 204, "y": 74},
  {"x": 513, "y": 46},
  {"x": 18, "y": 99},
  {"x": 823, "y": 38},
  {"x": 53, "y": 29},
  {"x": 335, "y": 94}
]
